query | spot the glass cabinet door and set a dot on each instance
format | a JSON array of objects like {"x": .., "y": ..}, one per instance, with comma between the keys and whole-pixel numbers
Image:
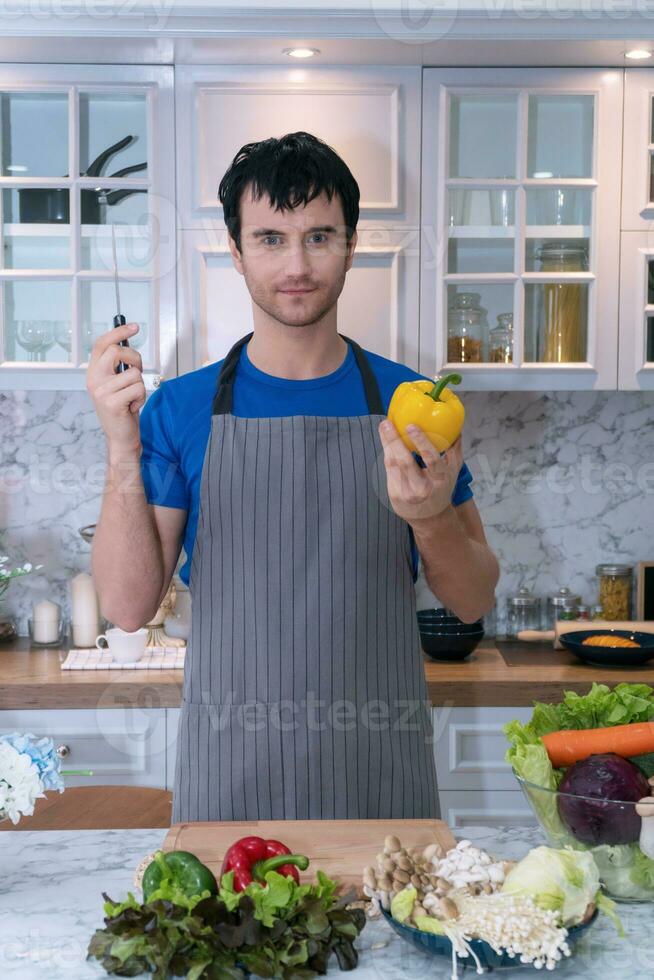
[
  {"x": 636, "y": 361},
  {"x": 516, "y": 202},
  {"x": 75, "y": 160},
  {"x": 636, "y": 357}
]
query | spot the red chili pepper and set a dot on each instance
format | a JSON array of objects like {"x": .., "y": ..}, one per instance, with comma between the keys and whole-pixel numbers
[{"x": 251, "y": 857}]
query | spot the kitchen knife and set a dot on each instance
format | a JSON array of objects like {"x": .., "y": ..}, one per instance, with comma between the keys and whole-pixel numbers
[{"x": 119, "y": 319}]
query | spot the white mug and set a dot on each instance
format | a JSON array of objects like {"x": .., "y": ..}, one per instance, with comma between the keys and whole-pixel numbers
[{"x": 124, "y": 647}]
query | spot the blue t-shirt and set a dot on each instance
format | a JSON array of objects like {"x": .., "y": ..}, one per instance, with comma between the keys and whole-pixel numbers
[{"x": 175, "y": 423}]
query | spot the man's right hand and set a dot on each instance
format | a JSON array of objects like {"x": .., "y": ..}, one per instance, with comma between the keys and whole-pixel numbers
[{"x": 117, "y": 397}]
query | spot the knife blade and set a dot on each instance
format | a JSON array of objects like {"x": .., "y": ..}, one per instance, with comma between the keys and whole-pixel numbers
[{"x": 119, "y": 319}]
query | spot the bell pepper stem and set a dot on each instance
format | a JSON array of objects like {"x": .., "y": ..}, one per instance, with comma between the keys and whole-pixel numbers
[
  {"x": 260, "y": 868},
  {"x": 435, "y": 393}
]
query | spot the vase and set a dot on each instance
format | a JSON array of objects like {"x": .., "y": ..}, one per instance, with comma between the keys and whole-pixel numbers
[{"x": 8, "y": 630}]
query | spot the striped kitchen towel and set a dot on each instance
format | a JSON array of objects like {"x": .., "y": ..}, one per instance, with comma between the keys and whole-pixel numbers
[{"x": 154, "y": 658}]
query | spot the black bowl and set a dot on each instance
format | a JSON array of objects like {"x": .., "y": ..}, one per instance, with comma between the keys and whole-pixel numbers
[
  {"x": 449, "y": 646},
  {"x": 610, "y": 656},
  {"x": 451, "y": 629},
  {"x": 427, "y": 618}
]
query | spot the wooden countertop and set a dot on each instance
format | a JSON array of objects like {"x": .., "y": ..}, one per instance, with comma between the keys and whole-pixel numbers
[{"x": 32, "y": 678}]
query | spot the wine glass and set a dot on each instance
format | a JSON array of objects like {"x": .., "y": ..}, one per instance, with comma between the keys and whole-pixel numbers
[
  {"x": 63, "y": 333},
  {"x": 36, "y": 337}
]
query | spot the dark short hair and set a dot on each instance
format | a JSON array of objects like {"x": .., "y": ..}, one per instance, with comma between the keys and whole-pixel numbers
[{"x": 291, "y": 170}]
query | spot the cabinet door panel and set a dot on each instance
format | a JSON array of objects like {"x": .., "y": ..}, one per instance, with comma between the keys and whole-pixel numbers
[
  {"x": 371, "y": 118},
  {"x": 122, "y": 746},
  {"x": 638, "y": 152},
  {"x": 107, "y": 131},
  {"x": 485, "y": 808},
  {"x": 469, "y": 747},
  {"x": 520, "y": 211},
  {"x": 636, "y": 355}
]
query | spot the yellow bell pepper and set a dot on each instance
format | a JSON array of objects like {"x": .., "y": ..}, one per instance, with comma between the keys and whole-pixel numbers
[{"x": 432, "y": 407}]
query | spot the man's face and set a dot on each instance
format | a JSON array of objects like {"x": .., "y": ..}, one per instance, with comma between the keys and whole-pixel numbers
[{"x": 303, "y": 249}]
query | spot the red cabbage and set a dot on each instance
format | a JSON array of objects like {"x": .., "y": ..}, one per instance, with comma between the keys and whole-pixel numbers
[{"x": 603, "y": 777}]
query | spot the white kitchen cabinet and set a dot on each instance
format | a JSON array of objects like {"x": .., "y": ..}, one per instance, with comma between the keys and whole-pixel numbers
[
  {"x": 638, "y": 151},
  {"x": 489, "y": 808},
  {"x": 57, "y": 212},
  {"x": 469, "y": 747},
  {"x": 515, "y": 159},
  {"x": 636, "y": 359},
  {"x": 122, "y": 746},
  {"x": 371, "y": 118},
  {"x": 475, "y": 784},
  {"x": 636, "y": 362}
]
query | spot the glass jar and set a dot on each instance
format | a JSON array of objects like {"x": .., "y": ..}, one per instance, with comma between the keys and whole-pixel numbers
[
  {"x": 500, "y": 340},
  {"x": 563, "y": 315},
  {"x": 522, "y": 613},
  {"x": 583, "y": 612},
  {"x": 464, "y": 343},
  {"x": 561, "y": 605},
  {"x": 615, "y": 591}
]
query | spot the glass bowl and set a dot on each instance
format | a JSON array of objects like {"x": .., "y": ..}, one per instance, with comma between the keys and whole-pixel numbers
[{"x": 625, "y": 871}]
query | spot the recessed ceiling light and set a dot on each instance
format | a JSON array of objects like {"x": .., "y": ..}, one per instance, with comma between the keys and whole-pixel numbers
[
  {"x": 301, "y": 52},
  {"x": 638, "y": 54}
]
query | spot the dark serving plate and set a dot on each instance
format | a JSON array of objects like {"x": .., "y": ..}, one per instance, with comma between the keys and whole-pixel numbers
[
  {"x": 441, "y": 945},
  {"x": 611, "y": 656}
]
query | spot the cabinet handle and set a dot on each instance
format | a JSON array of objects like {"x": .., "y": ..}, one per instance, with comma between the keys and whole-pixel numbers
[{"x": 63, "y": 751}]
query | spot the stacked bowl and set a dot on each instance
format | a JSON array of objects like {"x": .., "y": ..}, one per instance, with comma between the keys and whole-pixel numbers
[{"x": 444, "y": 636}]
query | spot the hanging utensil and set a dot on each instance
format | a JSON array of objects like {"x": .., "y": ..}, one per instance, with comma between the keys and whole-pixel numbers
[{"x": 51, "y": 205}]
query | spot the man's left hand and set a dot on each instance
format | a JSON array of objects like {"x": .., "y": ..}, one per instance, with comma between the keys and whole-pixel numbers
[{"x": 418, "y": 495}]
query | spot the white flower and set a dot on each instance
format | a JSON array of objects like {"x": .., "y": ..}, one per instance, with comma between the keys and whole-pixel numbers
[{"x": 20, "y": 784}]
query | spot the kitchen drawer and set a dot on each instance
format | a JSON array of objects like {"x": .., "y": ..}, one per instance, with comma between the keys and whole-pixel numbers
[
  {"x": 469, "y": 747},
  {"x": 123, "y": 746},
  {"x": 487, "y": 808}
]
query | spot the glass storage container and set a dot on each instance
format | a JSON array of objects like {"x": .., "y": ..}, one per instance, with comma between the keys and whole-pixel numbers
[
  {"x": 500, "y": 340},
  {"x": 615, "y": 591},
  {"x": 464, "y": 341},
  {"x": 562, "y": 319},
  {"x": 561, "y": 605},
  {"x": 522, "y": 613}
]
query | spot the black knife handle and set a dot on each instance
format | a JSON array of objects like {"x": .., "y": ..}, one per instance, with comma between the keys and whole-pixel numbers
[{"x": 119, "y": 321}]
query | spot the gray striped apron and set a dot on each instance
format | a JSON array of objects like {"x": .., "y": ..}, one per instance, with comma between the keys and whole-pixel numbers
[{"x": 304, "y": 693}]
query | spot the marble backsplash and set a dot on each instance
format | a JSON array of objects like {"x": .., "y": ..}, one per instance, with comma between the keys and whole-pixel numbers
[{"x": 562, "y": 481}]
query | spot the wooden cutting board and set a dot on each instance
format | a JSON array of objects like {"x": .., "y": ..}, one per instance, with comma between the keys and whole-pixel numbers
[{"x": 340, "y": 848}]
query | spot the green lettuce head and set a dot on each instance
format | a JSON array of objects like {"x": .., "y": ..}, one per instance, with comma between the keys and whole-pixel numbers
[{"x": 565, "y": 881}]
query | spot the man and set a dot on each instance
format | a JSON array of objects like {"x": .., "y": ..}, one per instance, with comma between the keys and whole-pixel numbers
[{"x": 304, "y": 692}]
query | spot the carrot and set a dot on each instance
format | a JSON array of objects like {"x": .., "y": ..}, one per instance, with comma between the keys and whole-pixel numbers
[{"x": 572, "y": 745}]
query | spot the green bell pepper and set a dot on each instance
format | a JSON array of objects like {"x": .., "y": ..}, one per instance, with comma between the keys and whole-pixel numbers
[{"x": 177, "y": 871}]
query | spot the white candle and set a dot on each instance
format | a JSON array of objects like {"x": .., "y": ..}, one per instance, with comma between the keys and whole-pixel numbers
[
  {"x": 85, "y": 634},
  {"x": 45, "y": 621},
  {"x": 85, "y": 611}
]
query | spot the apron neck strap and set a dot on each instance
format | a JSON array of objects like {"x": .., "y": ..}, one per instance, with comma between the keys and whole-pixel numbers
[{"x": 223, "y": 399}]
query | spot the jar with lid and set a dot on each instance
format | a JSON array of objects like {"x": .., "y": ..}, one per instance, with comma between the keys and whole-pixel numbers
[
  {"x": 562, "y": 319},
  {"x": 615, "y": 591},
  {"x": 561, "y": 605},
  {"x": 522, "y": 613},
  {"x": 500, "y": 340},
  {"x": 464, "y": 341},
  {"x": 583, "y": 612}
]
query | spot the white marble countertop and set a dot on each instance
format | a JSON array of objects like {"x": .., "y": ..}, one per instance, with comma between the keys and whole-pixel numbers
[{"x": 51, "y": 885}]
